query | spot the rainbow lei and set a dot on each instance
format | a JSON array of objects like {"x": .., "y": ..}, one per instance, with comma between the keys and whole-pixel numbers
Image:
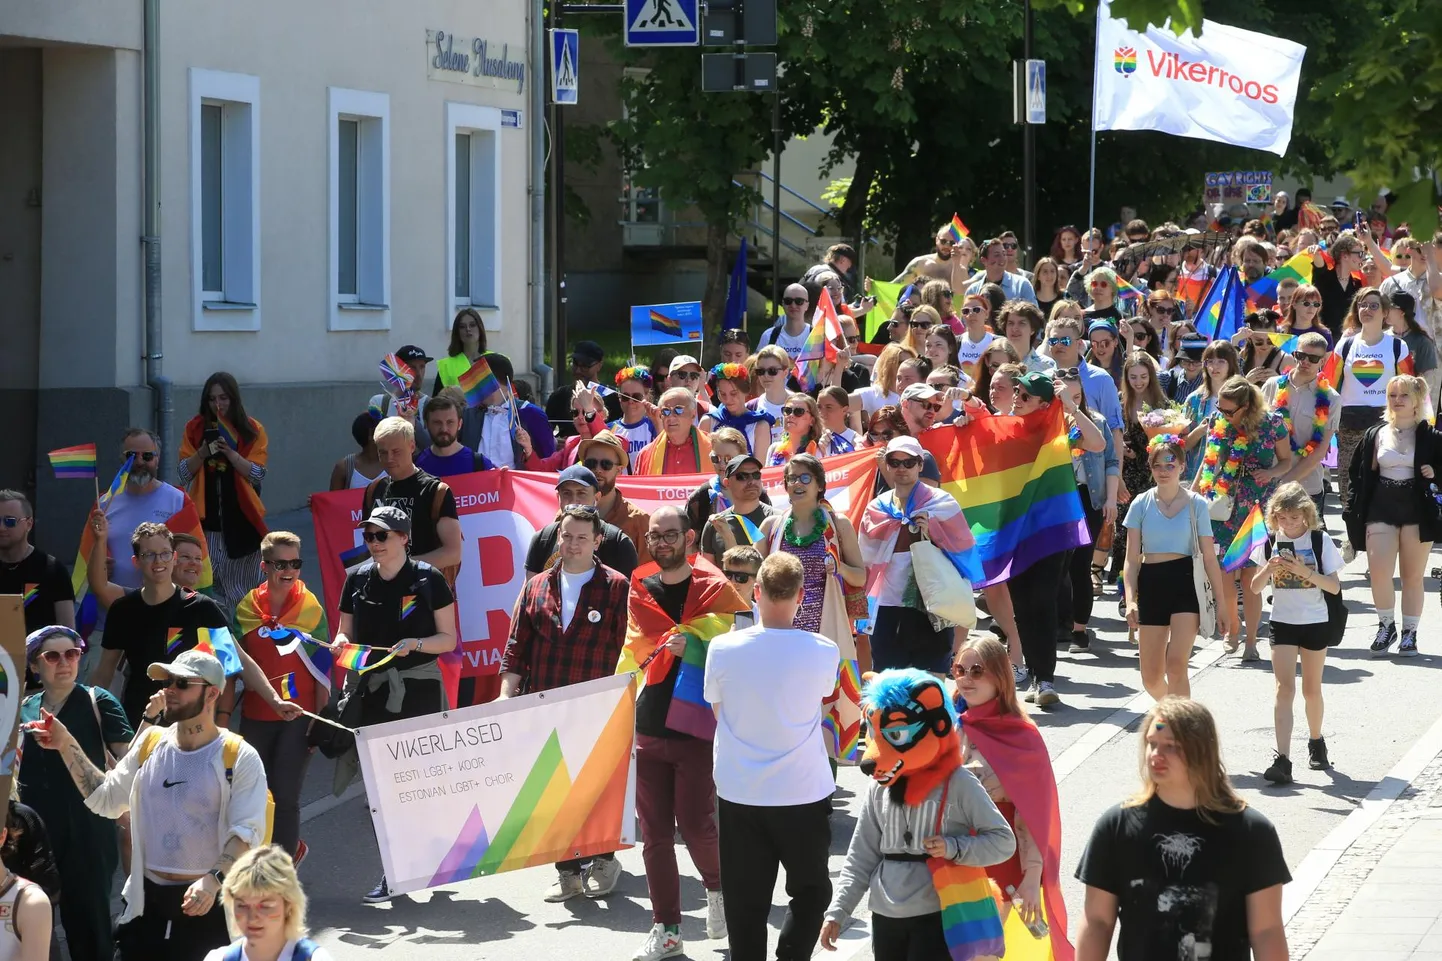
[
  {"x": 1319, "y": 416},
  {"x": 1221, "y": 484}
]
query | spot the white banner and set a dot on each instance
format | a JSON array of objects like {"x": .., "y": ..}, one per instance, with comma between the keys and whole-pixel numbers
[
  {"x": 512, "y": 784},
  {"x": 1228, "y": 85}
]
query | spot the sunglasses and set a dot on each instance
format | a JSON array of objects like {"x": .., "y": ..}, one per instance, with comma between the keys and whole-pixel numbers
[
  {"x": 145, "y": 455},
  {"x": 768, "y": 371},
  {"x": 1099, "y": 283},
  {"x": 1008, "y": 246},
  {"x": 880, "y": 435},
  {"x": 680, "y": 410},
  {"x": 1069, "y": 373},
  {"x": 687, "y": 374},
  {"x": 795, "y": 301},
  {"x": 1312, "y": 359},
  {"x": 1144, "y": 333},
  {"x": 151, "y": 557},
  {"x": 968, "y": 311},
  {"x": 947, "y": 292},
  {"x": 1168, "y": 311},
  {"x": 9, "y": 520},
  {"x": 945, "y": 242},
  {"x": 69, "y": 655},
  {"x": 1059, "y": 341},
  {"x": 600, "y": 463},
  {"x": 663, "y": 537},
  {"x": 292, "y": 564},
  {"x": 903, "y": 463},
  {"x": 853, "y": 339},
  {"x": 182, "y": 683},
  {"x": 634, "y": 398},
  {"x": 976, "y": 671},
  {"x": 746, "y": 475},
  {"x": 379, "y": 537},
  {"x": 919, "y": 324},
  {"x": 1227, "y": 412},
  {"x": 934, "y": 408},
  {"x": 1023, "y": 396},
  {"x": 803, "y": 479},
  {"x": 793, "y": 411},
  {"x": 1309, "y": 303},
  {"x": 739, "y": 577}
]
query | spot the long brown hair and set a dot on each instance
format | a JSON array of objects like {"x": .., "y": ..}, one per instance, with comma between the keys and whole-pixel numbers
[
  {"x": 1228, "y": 352},
  {"x": 1352, "y": 323},
  {"x": 237, "y": 416},
  {"x": 1303, "y": 292},
  {"x": 998, "y": 666},
  {"x": 455, "y": 345},
  {"x": 1195, "y": 733},
  {"x": 1152, "y": 396}
]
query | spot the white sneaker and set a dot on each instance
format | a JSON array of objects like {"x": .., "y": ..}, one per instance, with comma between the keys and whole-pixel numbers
[
  {"x": 1349, "y": 553},
  {"x": 1030, "y": 696},
  {"x": 601, "y": 877},
  {"x": 567, "y": 886},
  {"x": 715, "y": 916},
  {"x": 1022, "y": 676},
  {"x": 1046, "y": 694},
  {"x": 660, "y": 943}
]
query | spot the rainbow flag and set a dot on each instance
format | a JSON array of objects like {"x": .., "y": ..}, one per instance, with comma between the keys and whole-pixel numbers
[
  {"x": 228, "y": 433},
  {"x": 32, "y": 591},
  {"x": 478, "y": 382},
  {"x": 79, "y": 573},
  {"x": 970, "y": 916},
  {"x": 1252, "y": 534},
  {"x": 1191, "y": 290},
  {"x": 958, "y": 229},
  {"x": 220, "y": 644},
  {"x": 288, "y": 688},
  {"x": 1263, "y": 293},
  {"x": 396, "y": 374},
  {"x": 187, "y": 521},
  {"x": 353, "y": 657},
  {"x": 73, "y": 462},
  {"x": 174, "y": 637},
  {"x": 408, "y": 604},
  {"x": 1287, "y": 342},
  {"x": 1126, "y": 291},
  {"x": 665, "y": 325},
  {"x": 820, "y": 346},
  {"x": 1013, "y": 478},
  {"x": 689, "y": 712}
]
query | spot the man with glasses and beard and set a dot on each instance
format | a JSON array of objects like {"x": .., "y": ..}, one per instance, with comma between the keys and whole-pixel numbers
[
  {"x": 33, "y": 574},
  {"x": 578, "y": 485},
  {"x": 1301, "y": 395},
  {"x": 724, "y": 529},
  {"x": 145, "y": 499},
  {"x": 568, "y": 627},
  {"x": 197, "y": 799},
  {"x": 791, "y": 331},
  {"x": 605, "y": 456}
]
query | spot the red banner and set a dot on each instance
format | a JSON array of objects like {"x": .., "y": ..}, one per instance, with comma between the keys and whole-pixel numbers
[{"x": 501, "y": 510}]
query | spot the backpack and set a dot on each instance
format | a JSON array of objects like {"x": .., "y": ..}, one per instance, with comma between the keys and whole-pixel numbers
[
  {"x": 1344, "y": 349},
  {"x": 304, "y": 950},
  {"x": 368, "y": 501},
  {"x": 229, "y": 753},
  {"x": 1336, "y": 624}
]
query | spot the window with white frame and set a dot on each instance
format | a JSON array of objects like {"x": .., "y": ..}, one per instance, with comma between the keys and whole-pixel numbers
[
  {"x": 360, "y": 202},
  {"x": 473, "y": 184},
  {"x": 225, "y": 200}
]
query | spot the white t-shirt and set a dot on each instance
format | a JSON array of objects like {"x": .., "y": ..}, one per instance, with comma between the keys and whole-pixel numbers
[
  {"x": 969, "y": 352},
  {"x": 571, "y": 585},
  {"x": 873, "y": 399},
  {"x": 779, "y": 337},
  {"x": 1293, "y": 600},
  {"x": 1369, "y": 368},
  {"x": 769, "y": 682},
  {"x": 286, "y": 953},
  {"x": 128, "y": 511},
  {"x": 766, "y": 407}
]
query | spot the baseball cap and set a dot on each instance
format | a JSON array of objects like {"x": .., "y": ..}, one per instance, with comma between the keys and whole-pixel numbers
[
  {"x": 587, "y": 352},
  {"x": 904, "y": 445},
  {"x": 1194, "y": 349},
  {"x": 682, "y": 360},
  {"x": 740, "y": 461},
  {"x": 606, "y": 439},
  {"x": 1037, "y": 384},
  {"x": 577, "y": 474},
  {"x": 920, "y": 391},
  {"x": 191, "y": 664},
  {"x": 388, "y": 518},
  {"x": 410, "y": 353},
  {"x": 1341, "y": 202}
]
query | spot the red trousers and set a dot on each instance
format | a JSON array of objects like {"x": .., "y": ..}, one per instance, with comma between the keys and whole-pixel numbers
[{"x": 674, "y": 788}]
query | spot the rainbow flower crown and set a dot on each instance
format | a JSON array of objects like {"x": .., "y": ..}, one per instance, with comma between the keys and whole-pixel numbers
[
  {"x": 730, "y": 372},
  {"x": 633, "y": 373},
  {"x": 1164, "y": 440}
]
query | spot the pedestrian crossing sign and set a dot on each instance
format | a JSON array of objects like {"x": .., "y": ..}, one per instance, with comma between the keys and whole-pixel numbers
[
  {"x": 565, "y": 69},
  {"x": 662, "y": 23}
]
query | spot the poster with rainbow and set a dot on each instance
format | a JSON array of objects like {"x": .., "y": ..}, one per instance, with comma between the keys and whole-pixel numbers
[{"x": 512, "y": 784}]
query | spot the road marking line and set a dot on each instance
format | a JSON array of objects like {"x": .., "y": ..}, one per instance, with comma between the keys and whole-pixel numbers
[{"x": 330, "y": 802}]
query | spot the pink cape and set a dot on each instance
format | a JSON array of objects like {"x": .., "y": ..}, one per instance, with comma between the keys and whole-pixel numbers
[{"x": 1013, "y": 747}]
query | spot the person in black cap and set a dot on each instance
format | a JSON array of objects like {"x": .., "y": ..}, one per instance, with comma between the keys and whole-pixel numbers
[
  {"x": 742, "y": 483},
  {"x": 385, "y": 402},
  {"x": 578, "y": 485},
  {"x": 586, "y": 359}
]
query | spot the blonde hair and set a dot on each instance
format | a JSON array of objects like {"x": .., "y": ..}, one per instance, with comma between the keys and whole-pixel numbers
[
  {"x": 772, "y": 352},
  {"x": 275, "y": 539},
  {"x": 1416, "y": 387},
  {"x": 780, "y": 576},
  {"x": 395, "y": 427},
  {"x": 1195, "y": 732},
  {"x": 1292, "y": 496},
  {"x": 1252, "y": 406},
  {"x": 266, "y": 871},
  {"x": 729, "y": 435},
  {"x": 998, "y": 665},
  {"x": 888, "y": 365}
]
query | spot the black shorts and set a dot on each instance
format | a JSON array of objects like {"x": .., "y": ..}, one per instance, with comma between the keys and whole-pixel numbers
[
  {"x": 1394, "y": 502},
  {"x": 1307, "y": 637},
  {"x": 1164, "y": 589}
]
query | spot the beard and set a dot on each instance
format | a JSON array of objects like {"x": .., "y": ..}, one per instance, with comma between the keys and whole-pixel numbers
[
  {"x": 670, "y": 562},
  {"x": 603, "y": 486},
  {"x": 140, "y": 475},
  {"x": 187, "y": 711},
  {"x": 442, "y": 440},
  {"x": 944, "y": 254}
]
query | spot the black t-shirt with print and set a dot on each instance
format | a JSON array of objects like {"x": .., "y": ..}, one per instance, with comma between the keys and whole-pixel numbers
[
  {"x": 47, "y": 577},
  {"x": 654, "y": 701},
  {"x": 143, "y": 631},
  {"x": 711, "y": 543},
  {"x": 1182, "y": 883},
  {"x": 416, "y": 495},
  {"x": 381, "y": 612}
]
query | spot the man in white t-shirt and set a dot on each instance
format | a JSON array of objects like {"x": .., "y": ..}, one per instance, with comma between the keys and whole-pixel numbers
[
  {"x": 773, "y": 778},
  {"x": 790, "y": 335}
]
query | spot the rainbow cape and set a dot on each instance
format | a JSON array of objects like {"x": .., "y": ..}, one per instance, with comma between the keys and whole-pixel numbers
[
  {"x": 957, "y": 228},
  {"x": 257, "y": 452},
  {"x": 1263, "y": 293},
  {"x": 73, "y": 462},
  {"x": 947, "y": 528},
  {"x": 1013, "y": 478},
  {"x": 301, "y": 620},
  {"x": 820, "y": 346},
  {"x": 1252, "y": 534},
  {"x": 478, "y": 383},
  {"x": 79, "y": 573}
]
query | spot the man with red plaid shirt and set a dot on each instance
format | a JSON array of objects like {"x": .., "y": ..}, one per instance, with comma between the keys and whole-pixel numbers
[{"x": 568, "y": 627}]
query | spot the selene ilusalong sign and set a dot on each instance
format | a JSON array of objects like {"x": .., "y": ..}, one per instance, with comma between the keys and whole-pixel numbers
[{"x": 475, "y": 60}]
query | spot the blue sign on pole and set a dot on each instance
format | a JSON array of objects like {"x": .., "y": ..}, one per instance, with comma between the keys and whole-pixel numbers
[
  {"x": 565, "y": 65},
  {"x": 1036, "y": 91},
  {"x": 655, "y": 325},
  {"x": 662, "y": 23}
]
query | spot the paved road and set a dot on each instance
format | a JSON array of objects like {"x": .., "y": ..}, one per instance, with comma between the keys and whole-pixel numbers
[{"x": 1376, "y": 711}]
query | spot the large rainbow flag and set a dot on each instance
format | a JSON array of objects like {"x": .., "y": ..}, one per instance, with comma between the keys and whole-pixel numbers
[
  {"x": 1013, "y": 478},
  {"x": 1263, "y": 293},
  {"x": 820, "y": 346}
]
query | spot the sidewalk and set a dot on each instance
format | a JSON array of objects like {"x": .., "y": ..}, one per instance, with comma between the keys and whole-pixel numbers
[{"x": 1373, "y": 889}]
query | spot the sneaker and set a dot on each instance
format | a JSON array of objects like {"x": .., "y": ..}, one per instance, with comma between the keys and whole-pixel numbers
[
  {"x": 601, "y": 877},
  {"x": 379, "y": 894},
  {"x": 1080, "y": 643},
  {"x": 1407, "y": 647},
  {"x": 995, "y": 629},
  {"x": 1281, "y": 770},
  {"x": 660, "y": 943},
  {"x": 568, "y": 885},
  {"x": 1022, "y": 675},
  {"x": 1386, "y": 634},
  {"x": 1046, "y": 695},
  {"x": 301, "y": 850},
  {"x": 1349, "y": 553},
  {"x": 1031, "y": 695},
  {"x": 715, "y": 916},
  {"x": 1317, "y": 754}
]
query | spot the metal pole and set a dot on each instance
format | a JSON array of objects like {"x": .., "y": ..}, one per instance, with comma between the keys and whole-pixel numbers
[
  {"x": 538, "y": 198},
  {"x": 1092, "y": 185},
  {"x": 1028, "y": 150},
  {"x": 776, "y": 147},
  {"x": 155, "y": 378},
  {"x": 558, "y": 214}
]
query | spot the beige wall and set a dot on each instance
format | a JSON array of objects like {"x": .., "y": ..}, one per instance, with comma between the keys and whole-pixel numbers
[
  {"x": 299, "y": 50},
  {"x": 102, "y": 23}
]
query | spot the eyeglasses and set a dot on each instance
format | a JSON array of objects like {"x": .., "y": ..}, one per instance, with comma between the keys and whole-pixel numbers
[
  {"x": 795, "y": 301},
  {"x": 903, "y": 463},
  {"x": 968, "y": 311},
  {"x": 880, "y": 435},
  {"x": 680, "y": 410},
  {"x": 739, "y": 577},
  {"x": 793, "y": 411},
  {"x": 69, "y": 655},
  {"x": 144, "y": 455},
  {"x": 151, "y": 557},
  {"x": 803, "y": 479},
  {"x": 976, "y": 671},
  {"x": 664, "y": 537},
  {"x": 1309, "y": 303},
  {"x": 600, "y": 463},
  {"x": 947, "y": 292},
  {"x": 687, "y": 374},
  {"x": 1313, "y": 359},
  {"x": 378, "y": 536},
  {"x": 9, "y": 520},
  {"x": 633, "y": 398},
  {"x": 1225, "y": 412},
  {"x": 1059, "y": 341},
  {"x": 767, "y": 371},
  {"x": 182, "y": 683},
  {"x": 293, "y": 564},
  {"x": 1368, "y": 307},
  {"x": 747, "y": 475}
]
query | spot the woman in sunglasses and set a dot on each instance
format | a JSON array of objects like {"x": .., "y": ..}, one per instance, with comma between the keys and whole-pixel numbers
[
  {"x": 85, "y": 844},
  {"x": 1145, "y": 338},
  {"x": 1096, "y": 291},
  {"x": 1304, "y": 314},
  {"x": 771, "y": 366},
  {"x": 800, "y": 430},
  {"x": 1219, "y": 365},
  {"x": 1260, "y": 358},
  {"x": 731, "y": 386},
  {"x": 637, "y": 424},
  {"x": 938, "y": 295}
]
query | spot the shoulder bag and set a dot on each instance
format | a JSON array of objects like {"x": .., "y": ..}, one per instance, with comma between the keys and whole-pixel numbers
[{"x": 1201, "y": 582}]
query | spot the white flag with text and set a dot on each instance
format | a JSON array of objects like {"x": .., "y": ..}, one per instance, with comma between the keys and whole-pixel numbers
[{"x": 1229, "y": 85}]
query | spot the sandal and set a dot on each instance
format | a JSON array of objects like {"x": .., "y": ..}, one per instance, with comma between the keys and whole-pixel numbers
[
  {"x": 1232, "y": 644},
  {"x": 1098, "y": 570}
]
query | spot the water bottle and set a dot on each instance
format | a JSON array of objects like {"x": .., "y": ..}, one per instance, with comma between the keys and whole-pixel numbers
[{"x": 1037, "y": 927}]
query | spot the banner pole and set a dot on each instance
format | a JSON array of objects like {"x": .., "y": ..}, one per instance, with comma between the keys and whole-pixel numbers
[{"x": 1092, "y": 180}]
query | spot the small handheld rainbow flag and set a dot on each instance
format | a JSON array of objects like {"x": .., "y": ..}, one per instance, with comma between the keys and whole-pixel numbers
[
  {"x": 665, "y": 325},
  {"x": 218, "y": 643},
  {"x": 478, "y": 382},
  {"x": 174, "y": 637},
  {"x": 958, "y": 229},
  {"x": 396, "y": 374},
  {"x": 1287, "y": 342},
  {"x": 1252, "y": 534},
  {"x": 352, "y": 657},
  {"x": 73, "y": 462},
  {"x": 1126, "y": 291}
]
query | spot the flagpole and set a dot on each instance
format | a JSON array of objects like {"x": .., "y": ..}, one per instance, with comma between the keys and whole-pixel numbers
[{"x": 1092, "y": 184}]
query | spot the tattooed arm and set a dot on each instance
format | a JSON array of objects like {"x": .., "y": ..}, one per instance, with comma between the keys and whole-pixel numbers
[{"x": 106, "y": 794}]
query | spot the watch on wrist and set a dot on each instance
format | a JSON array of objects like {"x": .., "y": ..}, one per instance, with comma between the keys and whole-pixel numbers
[
  {"x": 152, "y": 720},
  {"x": 218, "y": 874}
]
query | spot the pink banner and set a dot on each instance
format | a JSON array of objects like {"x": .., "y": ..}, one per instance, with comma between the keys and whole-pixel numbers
[{"x": 500, "y": 511}]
